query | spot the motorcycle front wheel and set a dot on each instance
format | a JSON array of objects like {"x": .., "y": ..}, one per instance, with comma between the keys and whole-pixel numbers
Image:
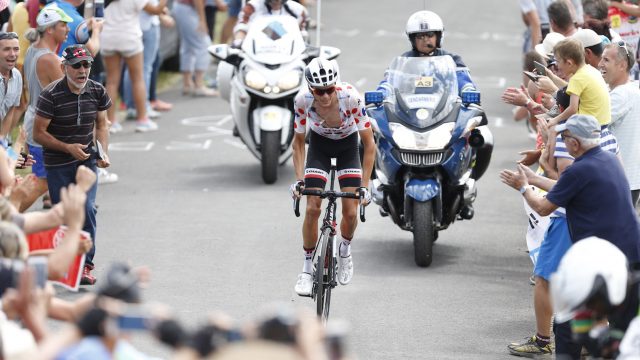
[
  {"x": 423, "y": 232},
  {"x": 269, "y": 154}
]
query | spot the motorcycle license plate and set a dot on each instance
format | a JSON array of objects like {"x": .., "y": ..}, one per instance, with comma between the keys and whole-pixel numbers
[{"x": 424, "y": 82}]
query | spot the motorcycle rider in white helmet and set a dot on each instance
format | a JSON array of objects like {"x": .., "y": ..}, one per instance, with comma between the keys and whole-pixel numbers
[
  {"x": 257, "y": 8},
  {"x": 425, "y": 31},
  {"x": 335, "y": 115},
  {"x": 593, "y": 285}
]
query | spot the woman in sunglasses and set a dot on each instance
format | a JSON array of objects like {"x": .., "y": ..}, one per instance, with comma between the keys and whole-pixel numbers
[{"x": 334, "y": 112}]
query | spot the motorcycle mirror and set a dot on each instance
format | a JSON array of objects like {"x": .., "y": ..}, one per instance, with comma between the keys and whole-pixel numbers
[
  {"x": 329, "y": 52},
  {"x": 220, "y": 51}
]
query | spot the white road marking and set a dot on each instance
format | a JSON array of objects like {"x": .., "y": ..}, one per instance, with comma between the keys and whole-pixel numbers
[
  {"x": 498, "y": 122},
  {"x": 235, "y": 143},
  {"x": 185, "y": 146},
  {"x": 502, "y": 82},
  {"x": 131, "y": 146},
  {"x": 224, "y": 120},
  {"x": 206, "y": 120},
  {"x": 360, "y": 83}
]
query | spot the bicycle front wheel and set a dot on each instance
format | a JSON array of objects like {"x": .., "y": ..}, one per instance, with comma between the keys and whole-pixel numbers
[{"x": 325, "y": 274}]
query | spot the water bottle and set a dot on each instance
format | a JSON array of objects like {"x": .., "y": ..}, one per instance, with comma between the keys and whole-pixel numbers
[{"x": 99, "y": 9}]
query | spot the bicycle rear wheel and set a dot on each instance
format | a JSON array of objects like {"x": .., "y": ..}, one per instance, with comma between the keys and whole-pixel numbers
[{"x": 325, "y": 275}]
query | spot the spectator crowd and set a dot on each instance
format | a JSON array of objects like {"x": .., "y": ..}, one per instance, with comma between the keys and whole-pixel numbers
[
  {"x": 581, "y": 101},
  {"x": 65, "y": 65}
]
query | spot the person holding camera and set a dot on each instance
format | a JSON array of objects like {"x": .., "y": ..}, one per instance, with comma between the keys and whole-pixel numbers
[{"x": 67, "y": 113}]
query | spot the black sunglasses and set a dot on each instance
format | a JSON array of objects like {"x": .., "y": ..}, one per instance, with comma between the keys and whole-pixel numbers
[
  {"x": 84, "y": 64},
  {"x": 425, "y": 35},
  {"x": 8, "y": 35},
  {"x": 321, "y": 92}
]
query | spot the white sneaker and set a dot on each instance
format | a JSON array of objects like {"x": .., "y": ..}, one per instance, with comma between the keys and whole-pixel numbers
[
  {"x": 152, "y": 114},
  {"x": 345, "y": 269},
  {"x": 304, "y": 284},
  {"x": 115, "y": 128},
  {"x": 105, "y": 177},
  {"x": 145, "y": 126}
]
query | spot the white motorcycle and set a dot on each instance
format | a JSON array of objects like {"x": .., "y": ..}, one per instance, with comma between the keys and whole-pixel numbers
[{"x": 260, "y": 80}]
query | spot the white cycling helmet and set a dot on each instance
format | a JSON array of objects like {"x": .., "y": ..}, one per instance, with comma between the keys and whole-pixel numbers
[
  {"x": 424, "y": 21},
  {"x": 591, "y": 267},
  {"x": 321, "y": 73}
]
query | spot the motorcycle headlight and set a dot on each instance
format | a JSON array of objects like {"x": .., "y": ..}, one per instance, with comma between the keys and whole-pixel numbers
[
  {"x": 290, "y": 80},
  {"x": 255, "y": 80},
  {"x": 408, "y": 139}
]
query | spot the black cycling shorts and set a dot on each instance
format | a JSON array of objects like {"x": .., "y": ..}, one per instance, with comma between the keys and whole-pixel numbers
[{"x": 321, "y": 150}]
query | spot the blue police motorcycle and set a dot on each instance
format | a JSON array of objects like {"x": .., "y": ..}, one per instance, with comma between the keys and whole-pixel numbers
[{"x": 432, "y": 147}]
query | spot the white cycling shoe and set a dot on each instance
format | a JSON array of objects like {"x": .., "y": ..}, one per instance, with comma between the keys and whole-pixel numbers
[
  {"x": 304, "y": 284},
  {"x": 345, "y": 269}
]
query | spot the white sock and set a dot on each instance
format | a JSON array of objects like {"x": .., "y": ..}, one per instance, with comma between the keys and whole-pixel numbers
[
  {"x": 307, "y": 266},
  {"x": 345, "y": 247}
]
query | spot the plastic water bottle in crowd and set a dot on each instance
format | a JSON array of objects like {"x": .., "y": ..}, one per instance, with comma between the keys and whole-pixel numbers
[{"x": 99, "y": 9}]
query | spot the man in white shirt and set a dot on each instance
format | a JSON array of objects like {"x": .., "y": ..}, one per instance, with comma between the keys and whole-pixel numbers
[{"x": 615, "y": 64}]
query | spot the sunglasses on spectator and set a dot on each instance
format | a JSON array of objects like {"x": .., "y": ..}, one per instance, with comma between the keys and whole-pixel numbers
[
  {"x": 622, "y": 44},
  {"x": 425, "y": 35},
  {"x": 8, "y": 35},
  {"x": 84, "y": 64},
  {"x": 320, "y": 92}
]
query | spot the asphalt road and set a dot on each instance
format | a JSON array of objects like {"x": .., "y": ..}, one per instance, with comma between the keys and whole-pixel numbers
[{"x": 191, "y": 205}]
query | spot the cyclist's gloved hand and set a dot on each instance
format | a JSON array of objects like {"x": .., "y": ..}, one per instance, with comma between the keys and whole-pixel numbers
[
  {"x": 295, "y": 189},
  {"x": 366, "y": 195}
]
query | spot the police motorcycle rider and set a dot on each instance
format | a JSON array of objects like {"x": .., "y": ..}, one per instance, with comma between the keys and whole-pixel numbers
[
  {"x": 425, "y": 30},
  {"x": 595, "y": 285},
  {"x": 257, "y": 8}
]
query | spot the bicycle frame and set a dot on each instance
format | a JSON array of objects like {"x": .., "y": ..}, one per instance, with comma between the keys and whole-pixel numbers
[{"x": 325, "y": 252}]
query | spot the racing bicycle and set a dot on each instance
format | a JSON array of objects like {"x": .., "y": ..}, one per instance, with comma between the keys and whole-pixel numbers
[{"x": 325, "y": 253}]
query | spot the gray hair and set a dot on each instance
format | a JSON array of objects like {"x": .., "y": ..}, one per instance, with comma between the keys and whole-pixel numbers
[
  {"x": 623, "y": 53},
  {"x": 587, "y": 143},
  {"x": 13, "y": 243}
]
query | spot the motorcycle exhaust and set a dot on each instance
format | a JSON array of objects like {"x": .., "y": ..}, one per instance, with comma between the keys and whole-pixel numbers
[
  {"x": 376, "y": 192},
  {"x": 470, "y": 192},
  {"x": 476, "y": 139}
]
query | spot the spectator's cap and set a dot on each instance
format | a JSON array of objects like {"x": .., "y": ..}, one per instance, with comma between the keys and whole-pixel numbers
[
  {"x": 546, "y": 48},
  {"x": 75, "y": 53},
  {"x": 584, "y": 126},
  {"x": 587, "y": 37},
  {"x": 605, "y": 40},
  {"x": 50, "y": 16}
]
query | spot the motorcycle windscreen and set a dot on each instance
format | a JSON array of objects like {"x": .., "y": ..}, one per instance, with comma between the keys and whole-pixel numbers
[
  {"x": 425, "y": 89},
  {"x": 273, "y": 40}
]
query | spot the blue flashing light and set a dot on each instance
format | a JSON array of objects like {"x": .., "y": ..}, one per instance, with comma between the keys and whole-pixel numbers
[
  {"x": 373, "y": 97},
  {"x": 471, "y": 97}
]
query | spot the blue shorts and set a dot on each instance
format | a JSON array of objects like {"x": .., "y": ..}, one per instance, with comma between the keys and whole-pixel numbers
[
  {"x": 233, "y": 7},
  {"x": 555, "y": 244},
  {"x": 38, "y": 168}
]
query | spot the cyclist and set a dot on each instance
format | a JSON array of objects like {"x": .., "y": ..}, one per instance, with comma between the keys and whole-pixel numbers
[
  {"x": 594, "y": 285},
  {"x": 334, "y": 112}
]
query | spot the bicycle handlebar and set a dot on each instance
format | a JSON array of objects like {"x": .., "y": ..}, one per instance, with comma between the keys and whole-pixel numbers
[{"x": 329, "y": 194}]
